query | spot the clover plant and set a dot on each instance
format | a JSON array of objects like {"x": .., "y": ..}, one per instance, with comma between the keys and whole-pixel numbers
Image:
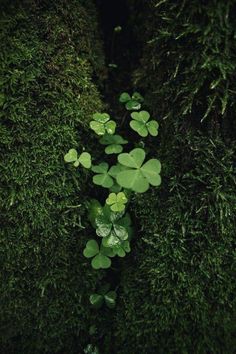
[
  {"x": 104, "y": 295},
  {"x": 131, "y": 102},
  {"x": 125, "y": 173},
  {"x": 142, "y": 125}
]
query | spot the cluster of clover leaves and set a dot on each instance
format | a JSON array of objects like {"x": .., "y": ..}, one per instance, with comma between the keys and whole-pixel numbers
[{"x": 131, "y": 172}]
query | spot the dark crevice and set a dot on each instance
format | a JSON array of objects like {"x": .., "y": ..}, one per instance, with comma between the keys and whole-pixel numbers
[{"x": 121, "y": 48}]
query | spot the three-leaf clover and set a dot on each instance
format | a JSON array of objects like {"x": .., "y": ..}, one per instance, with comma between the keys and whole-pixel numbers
[
  {"x": 114, "y": 143},
  {"x": 111, "y": 227},
  {"x": 142, "y": 125},
  {"x": 117, "y": 201},
  {"x": 100, "y": 255},
  {"x": 138, "y": 176},
  {"x": 122, "y": 249},
  {"x": 103, "y": 295},
  {"x": 103, "y": 178},
  {"x": 84, "y": 159},
  {"x": 131, "y": 103},
  {"x": 102, "y": 124}
]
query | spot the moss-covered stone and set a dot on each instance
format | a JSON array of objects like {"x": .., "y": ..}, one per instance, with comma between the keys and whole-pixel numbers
[
  {"x": 178, "y": 283},
  {"x": 49, "y": 53}
]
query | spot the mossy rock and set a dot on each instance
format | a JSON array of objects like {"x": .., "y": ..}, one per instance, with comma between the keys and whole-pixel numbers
[{"x": 50, "y": 51}]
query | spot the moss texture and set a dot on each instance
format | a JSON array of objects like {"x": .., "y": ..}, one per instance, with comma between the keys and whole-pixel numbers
[
  {"x": 50, "y": 51},
  {"x": 177, "y": 285}
]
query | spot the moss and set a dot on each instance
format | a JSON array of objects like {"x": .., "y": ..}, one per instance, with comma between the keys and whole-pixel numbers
[
  {"x": 177, "y": 288},
  {"x": 49, "y": 55}
]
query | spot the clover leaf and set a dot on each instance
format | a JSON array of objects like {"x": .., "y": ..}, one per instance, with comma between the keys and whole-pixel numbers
[
  {"x": 100, "y": 255},
  {"x": 103, "y": 295},
  {"x": 103, "y": 177},
  {"x": 142, "y": 125},
  {"x": 114, "y": 143},
  {"x": 122, "y": 249},
  {"x": 84, "y": 158},
  {"x": 110, "y": 226},
  {"x": 131, "y": 103},
  {"x": 102, "y": 124},
  {"x": 117, "y": 201},
  {"x": 138, "y": 176}
]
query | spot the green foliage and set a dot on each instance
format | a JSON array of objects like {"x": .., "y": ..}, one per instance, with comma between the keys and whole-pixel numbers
[
  {"x": 142, "y": 125},
  {"x": 131, "y": 102},
  {"x": 100, "y": 255},
  {"x": 102, "y": 178},
  {"x": 114, "y": 143},
  {"x": 117, "y": 201},
  {"x": 138, "y": 176},
  {"x": 84, "y": 159},
  {"x": 101, "y": 124},
  {"x": 104, "y": 295}
]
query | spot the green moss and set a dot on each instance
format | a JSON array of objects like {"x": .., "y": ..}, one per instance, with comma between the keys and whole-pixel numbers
[
  {"x": 177, "y": 289},
  {"x": 49, "y": 54},
  {"x": 177, "y": 286}
]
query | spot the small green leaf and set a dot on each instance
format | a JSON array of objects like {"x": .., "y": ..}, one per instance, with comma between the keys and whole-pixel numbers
[
  {"x": 142, "y": 116},
  {"x": 112, "y": 139},
  {"x": 124, "y": 97},
  {"x": 117, "y": 201},
  {"x": 133, "y": 159},
  {"x": 71, "y": 156},
  {"x": 110, "y": 127},
  {"x": 91, "y": 249},
  {"x": 85, "y": 159},
  {"x": 102, "y": 178},
  {"x": 139, "y": 127},
  {"x": 101, "y": 117},
  {"x": 152, "y": 127},
  {"x": 97, "y": 127},
  {"x": 110, "y": 299},
  {"x": 101, "y": 261},
  {"x": 96, "y": 300},
  {"x": 132, "y": 105},
  {"x": 113, "y": 149},
  {"x": 137, "y": 97}
]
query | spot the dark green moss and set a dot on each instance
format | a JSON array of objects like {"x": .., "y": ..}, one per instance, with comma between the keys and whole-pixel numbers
[
  {"x": 178, "y": 287},
  {"x": 49, "y": 54}
]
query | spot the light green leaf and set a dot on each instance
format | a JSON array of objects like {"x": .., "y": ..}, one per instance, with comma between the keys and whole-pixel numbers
[
  {"x": 151, "y": 170},
  {"x": 91, "y": 249},
  {"x": 101, "y": 261},
  {"x": 152, "y": 127},
  {"x": 85, "y": 159},
  {"x": 101, "y": 117},
  {"x": 113, "y": 149},
  {"x": 124, "y": 97},
  {"x": 142, "y": 116},
  {"x": 71, "y": 156},
  {"x": 132, "y": 105},
  {"x": 133, "y": 179},
  {"x": 112, "y": 139},
  {"x": 139, "y": 127},
  {"x": 103, "y": 180},
  {"x": 99, "y": 128},
  {"x": 133, "y": 159},
  {"x": 110, "y": 127}
]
